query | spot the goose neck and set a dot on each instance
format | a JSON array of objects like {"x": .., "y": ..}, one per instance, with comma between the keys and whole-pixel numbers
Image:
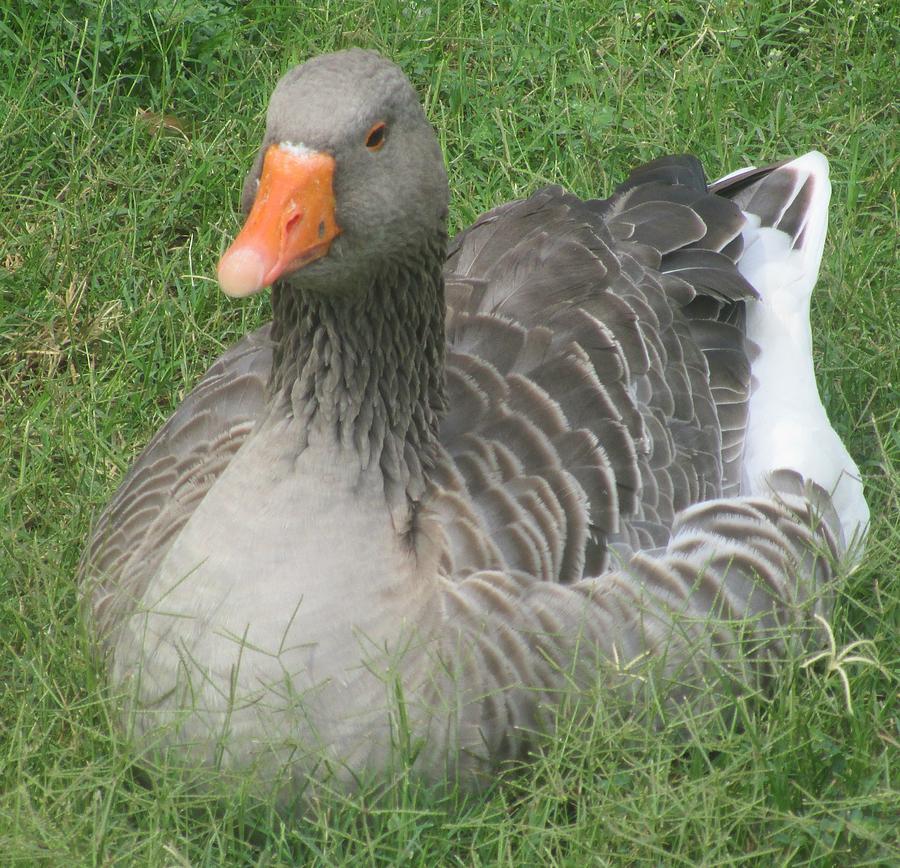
[{"x": 363, "y": 371}]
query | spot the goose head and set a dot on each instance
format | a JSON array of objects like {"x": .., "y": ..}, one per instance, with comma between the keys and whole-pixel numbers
[{"x": 349, "y": 179}]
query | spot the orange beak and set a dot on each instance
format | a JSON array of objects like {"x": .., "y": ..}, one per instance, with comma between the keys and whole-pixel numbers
[{"x": 290, "y": 225}]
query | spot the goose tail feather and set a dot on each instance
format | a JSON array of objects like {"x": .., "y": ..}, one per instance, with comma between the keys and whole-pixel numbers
[{"x": 786, "y": 207}]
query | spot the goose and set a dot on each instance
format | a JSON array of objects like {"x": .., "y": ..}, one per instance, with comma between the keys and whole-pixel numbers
[{"x": 454, "y": 483}]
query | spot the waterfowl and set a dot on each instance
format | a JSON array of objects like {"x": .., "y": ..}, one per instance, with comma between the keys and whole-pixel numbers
[{"x": 451, "y": 482}]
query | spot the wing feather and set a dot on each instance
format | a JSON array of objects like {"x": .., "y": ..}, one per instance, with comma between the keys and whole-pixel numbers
[{"x": 171, "y": 476}]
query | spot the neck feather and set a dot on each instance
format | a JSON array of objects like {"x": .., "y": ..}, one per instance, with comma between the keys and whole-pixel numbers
[{"x": 366, "y": 369}]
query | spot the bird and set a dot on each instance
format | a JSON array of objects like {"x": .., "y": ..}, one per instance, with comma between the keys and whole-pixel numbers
[{"x": 456, "y": 483}]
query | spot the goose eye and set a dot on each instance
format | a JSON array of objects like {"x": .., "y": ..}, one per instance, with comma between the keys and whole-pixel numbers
[{"x": 375, "y": 136}]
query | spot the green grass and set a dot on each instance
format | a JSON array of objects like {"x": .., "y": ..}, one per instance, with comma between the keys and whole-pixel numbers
[{"x": 109, "y": 234}]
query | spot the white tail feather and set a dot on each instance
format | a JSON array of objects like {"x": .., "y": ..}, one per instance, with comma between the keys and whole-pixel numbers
[{"x": 788, "y": 425}]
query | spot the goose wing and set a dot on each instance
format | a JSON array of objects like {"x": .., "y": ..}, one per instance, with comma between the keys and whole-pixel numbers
[
  {"x": 597, "y": 370},
  {"x": 172, "y": 476}
]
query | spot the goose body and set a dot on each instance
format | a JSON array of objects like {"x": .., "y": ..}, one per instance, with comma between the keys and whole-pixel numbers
[{"x": 452, "y": 484}]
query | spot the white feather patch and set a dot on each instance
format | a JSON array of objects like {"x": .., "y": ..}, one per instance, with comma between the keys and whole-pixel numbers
[
  {"x": 788, "y": 425},
  {"x": 298, "y": 149}
]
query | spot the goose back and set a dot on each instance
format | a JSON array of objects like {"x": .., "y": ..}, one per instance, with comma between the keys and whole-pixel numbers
[{"x": 597, "y": 372}]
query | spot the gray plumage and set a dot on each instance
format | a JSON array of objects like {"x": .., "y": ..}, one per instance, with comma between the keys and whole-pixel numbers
[{"x": 342, "y": 504}]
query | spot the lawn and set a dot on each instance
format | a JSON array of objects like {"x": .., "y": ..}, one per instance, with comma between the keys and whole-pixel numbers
[{"x": 127, "y": 128}]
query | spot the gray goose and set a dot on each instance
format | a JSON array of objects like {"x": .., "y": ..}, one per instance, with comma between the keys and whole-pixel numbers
[{"x": 579, "y": 445}]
